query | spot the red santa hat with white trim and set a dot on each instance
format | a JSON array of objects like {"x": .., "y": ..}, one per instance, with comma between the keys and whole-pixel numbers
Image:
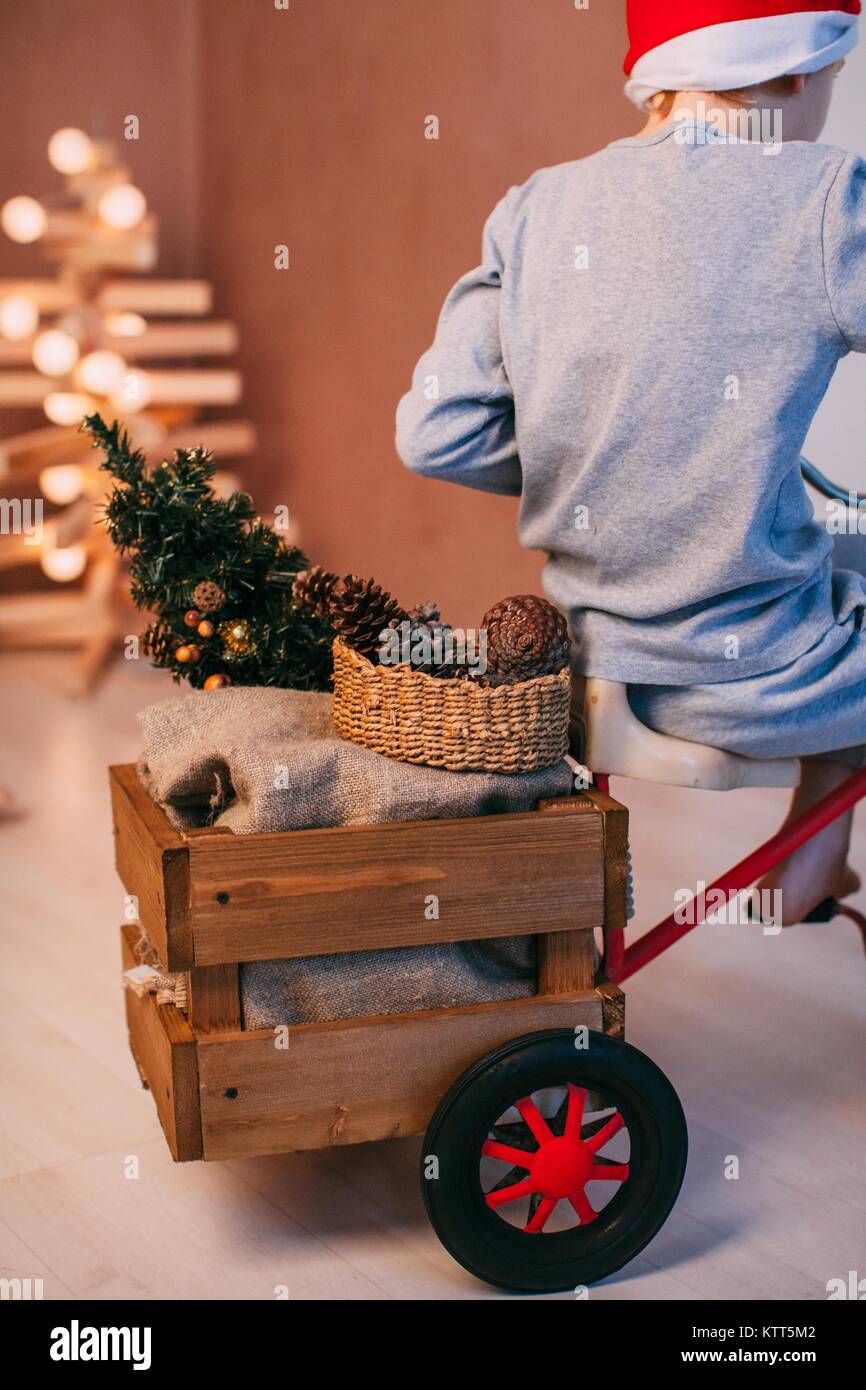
[{"x": 720, "y": 45}]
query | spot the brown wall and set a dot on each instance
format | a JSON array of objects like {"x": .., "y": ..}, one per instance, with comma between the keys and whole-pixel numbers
[
  {"x": 90, "y": 63},
  {"x": 313, "y": 136},
  {"x": 306, "y": 127}
]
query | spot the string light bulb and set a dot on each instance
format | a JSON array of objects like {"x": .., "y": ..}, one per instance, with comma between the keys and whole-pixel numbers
[
  {"x": 101, "y": 372},
  {"x": 122, "y": 206},
  {"x": 23, "y": 219},
  {"x": 70, "y": 151},
  {"x": 55, "y": 352},
  {"x": 67, "y": 407},
  {"x": 19, "y": 317},
  {"x": 125, "y": 325},
  {"x": 64, "y": 563},
  {"x": 62, "y": 483}
]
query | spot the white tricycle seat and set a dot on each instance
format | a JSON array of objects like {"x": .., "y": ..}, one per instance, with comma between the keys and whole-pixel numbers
[{"x": 616, "y": 743}]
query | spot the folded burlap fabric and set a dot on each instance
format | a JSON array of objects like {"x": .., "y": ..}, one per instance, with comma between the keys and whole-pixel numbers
[{"x": 258, "y": 759}]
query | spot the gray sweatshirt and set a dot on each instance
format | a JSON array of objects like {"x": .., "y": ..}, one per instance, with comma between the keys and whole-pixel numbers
[{"x": 639, "y": 357}]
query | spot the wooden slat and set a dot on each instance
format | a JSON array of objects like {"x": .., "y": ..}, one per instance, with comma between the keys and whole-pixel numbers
[
  {"x": 39, "y": 448},
  {"x": 261, "y": 897},
  {"x": 214, "y": 998},
  {"x": 615, "y": 820},
  {"x": 51, "y": 619},
  {"x": 211, "y": 337},
  {"x": 164, "y": 1048},
  {"x": 24, "y": 388},
  {"x": 199, "y": 385},
  {"x": 224, "y": 438},
  {"x": 615, "y": 856},
  {"x": 152, "y": 861},
  {"x": 348, "y": 1082},
  {"x": 156, "y": 296},
  {"x": 566, "y": 961},
  {"x": 50, "y": 296}
]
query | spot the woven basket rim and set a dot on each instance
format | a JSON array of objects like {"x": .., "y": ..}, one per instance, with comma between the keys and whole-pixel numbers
[{"x": 403, "y": 672}]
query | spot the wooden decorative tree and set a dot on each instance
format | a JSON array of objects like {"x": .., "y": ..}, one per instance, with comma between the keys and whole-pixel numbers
[{"x": 99, "y": 336}]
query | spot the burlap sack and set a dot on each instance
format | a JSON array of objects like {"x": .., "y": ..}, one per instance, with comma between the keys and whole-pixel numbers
[{"x": 256, "y": 758}]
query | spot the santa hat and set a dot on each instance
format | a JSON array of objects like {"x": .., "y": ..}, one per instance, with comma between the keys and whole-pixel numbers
[{"x": 719, "y": 45}]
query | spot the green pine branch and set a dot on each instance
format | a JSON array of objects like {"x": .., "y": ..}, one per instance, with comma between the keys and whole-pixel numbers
[{"x": 176, "y": 532}]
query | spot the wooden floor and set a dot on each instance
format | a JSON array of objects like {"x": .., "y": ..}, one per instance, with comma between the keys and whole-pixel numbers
[{"x": 764, "y": 1038}]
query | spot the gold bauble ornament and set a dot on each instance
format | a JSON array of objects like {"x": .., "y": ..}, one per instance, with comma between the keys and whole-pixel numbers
[
  {"x": 205, "y": 628},
  {"x": 236, "y": 636},
  {"x": 217, "y": 681},
  {"x": 188, "y": 654}
]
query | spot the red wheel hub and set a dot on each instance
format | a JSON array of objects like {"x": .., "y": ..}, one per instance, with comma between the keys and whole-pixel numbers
[{"x": 560, "y": 1167}]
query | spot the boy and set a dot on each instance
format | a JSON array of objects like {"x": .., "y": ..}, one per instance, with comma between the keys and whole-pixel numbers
[{"x": 640, "y": 356}]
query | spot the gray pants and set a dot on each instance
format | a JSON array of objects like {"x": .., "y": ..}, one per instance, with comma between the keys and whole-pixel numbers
[{"x": 813, "y": 707}]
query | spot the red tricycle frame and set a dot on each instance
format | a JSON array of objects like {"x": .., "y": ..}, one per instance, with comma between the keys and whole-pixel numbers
[{"x": 621, "y": 962}]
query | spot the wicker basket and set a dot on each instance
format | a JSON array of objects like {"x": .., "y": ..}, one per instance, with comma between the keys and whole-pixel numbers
[{"x": 454, "y": 724}]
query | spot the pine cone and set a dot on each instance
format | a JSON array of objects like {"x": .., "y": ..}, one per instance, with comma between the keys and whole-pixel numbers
[
  {"x": 313, "y": 589},
  {"x": 526, "y": 637},
  {"x": 425, "y": 613},
  {"x": 158, "y": 642},
  {"x": 360, "y": 611},
  {"x": 208, "y": 597},
  {"x": 442, "y": 662}
]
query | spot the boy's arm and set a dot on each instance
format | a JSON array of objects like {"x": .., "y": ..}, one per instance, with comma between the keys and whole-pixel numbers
[
  {"x": 844, "y": 247},
  {"x": 457, "y": 421}
]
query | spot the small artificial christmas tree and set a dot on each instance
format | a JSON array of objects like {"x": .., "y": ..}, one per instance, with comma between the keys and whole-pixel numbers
[{"x": 216, "y": 578}]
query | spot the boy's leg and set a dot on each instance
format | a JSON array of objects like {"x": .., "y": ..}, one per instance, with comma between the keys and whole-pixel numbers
[{"x": 819, "y": 869}]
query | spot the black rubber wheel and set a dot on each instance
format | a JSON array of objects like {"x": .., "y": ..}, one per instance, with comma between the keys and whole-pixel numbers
[{"x": 520, "y": 1137}]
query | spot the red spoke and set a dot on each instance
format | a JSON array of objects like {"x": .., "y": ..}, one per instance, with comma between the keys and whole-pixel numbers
[
  {"x": 581, "y": 1205},
  {"x": 518, "y": 1158},
  {"x": 574, "y": 1115},
  {"x": 538, "y": 1126},
  {"x": 608, "y": 1172},
  {"x": 604, "y": 1136},
  {"x": 509, "y": 1194},
  {"x": 542, "y": 1212}
]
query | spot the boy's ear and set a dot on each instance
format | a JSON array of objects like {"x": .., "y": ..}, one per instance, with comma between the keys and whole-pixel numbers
[{"x": 795, "y": 84}]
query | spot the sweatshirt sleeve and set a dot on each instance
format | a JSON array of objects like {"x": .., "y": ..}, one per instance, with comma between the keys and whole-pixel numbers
[
  {"x": 457, "y": 421},
  {"x": 845, "y": 251}
]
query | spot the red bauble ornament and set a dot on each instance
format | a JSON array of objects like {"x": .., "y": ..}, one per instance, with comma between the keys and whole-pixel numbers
[{"x": 192, "y": 617}]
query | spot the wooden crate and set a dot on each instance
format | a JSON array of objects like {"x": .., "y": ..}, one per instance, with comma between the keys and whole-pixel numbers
[{"x": 209, "y": 900}]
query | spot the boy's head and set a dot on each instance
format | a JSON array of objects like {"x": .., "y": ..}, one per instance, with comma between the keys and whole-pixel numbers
[{"x": 783, "y": 53}]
